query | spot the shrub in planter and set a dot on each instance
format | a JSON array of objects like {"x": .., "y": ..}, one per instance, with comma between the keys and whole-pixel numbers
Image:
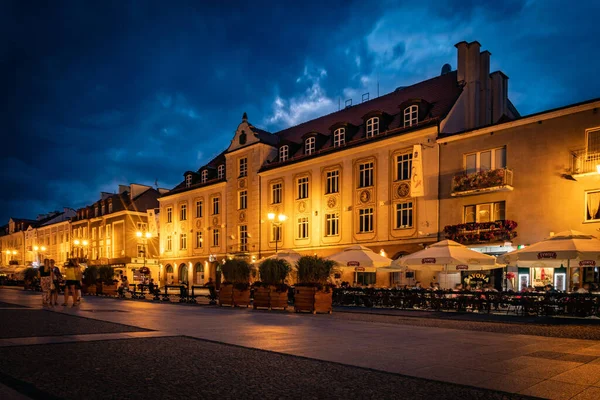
[
  {"x": 90, "y": 277},
  {"x": 235, "y": 289},
  {"x": 271, "y": 291},
  {"x": 106, "y": 282},
  {"x": 30, "y": 277},
  {"x": 313, "y": 291}
]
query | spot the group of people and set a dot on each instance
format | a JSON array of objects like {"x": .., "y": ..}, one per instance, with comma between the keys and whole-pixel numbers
[{"x": 51, "y": 280}]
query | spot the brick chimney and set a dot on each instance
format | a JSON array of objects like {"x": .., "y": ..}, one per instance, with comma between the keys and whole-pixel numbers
[{"x": 499, "y": 95}]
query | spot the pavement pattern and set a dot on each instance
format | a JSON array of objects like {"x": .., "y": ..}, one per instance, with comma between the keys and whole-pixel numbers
[{"x": 462, "y": 362}]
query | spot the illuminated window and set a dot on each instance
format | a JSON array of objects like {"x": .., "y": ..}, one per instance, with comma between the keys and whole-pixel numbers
[
  {"x": 199, "y": 239},
  {"x": 108, "y": 231},
  {"x": 309, "y": 145},
  {"x": 372, "y": 127},
  {"x": 188, "y": 180},
  {"x": 243, "y": 233},
  {"x": 276, "y": 193},
  {"x": 485, "y": 160},
  {"x": 303, "y": 228},
  {"x": 486, "y": 212},
  {"x": 221, "y": 172},
  {"x": 339, "y": 137},
  {"x": 243, "y": 200},
  {"x": 216, "y": 201},
  {"x": 404, "y": 215},
  {"x": 275, "y": 233},
  {"x": 332, "y": 224},
  {"x": 303, "y": 187},
  {"x": 284, "y": 153},
  {"x": 404, "y": 166},
  {"x": 204, "y": 176},
  {"x": 243, "y": 164},
  {"x": 592, "y": 206},
  {"x": 411, "y": 115},
  {"x": 96, "y": 211},
  {"x": 592, "y": 140},
  {"x": 332, "y": 182},
  {"x": 365, "y": 174},
  {"x": 169, "y": 214},
  {"x": 93, "y": 233},
  {"x": 365, "y": 220},
  {"x": 198, "y": 208},
  {"x": 183, "y": 241},
  {"x": 183, "y": 212},
  {"x": 169, "y": 243},
  {"x": 216, "y": 237}
]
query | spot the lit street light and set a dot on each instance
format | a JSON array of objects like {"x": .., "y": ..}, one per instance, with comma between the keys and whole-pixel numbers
[
  {"x": 277, "y": 222},
  {"x": 39, "y": 250},
  {"x": 144, "y": 236}
]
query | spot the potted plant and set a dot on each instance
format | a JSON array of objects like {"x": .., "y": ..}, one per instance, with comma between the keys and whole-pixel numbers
[
  {"x": 107, "y": 281},
  {"x": 90, "y": 276},
  {"x": 313, "y": 291},
  {"x": 235, "y": 289},
  {"x": 271, "y": 291}
]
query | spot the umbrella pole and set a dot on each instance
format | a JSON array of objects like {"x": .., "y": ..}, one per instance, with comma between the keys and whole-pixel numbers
[{"x": 568, "y": 285}]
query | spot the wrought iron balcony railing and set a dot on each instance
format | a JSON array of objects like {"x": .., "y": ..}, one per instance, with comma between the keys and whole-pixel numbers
[
  {"x": 483, "y": 181},
  {"x": 584, "y": 162}
]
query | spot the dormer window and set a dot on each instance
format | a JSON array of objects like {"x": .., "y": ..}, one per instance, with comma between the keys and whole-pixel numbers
[
  {"x": 110, "y": 210},
  {"x": 204, "y": 176},
  {"x": 284, "y": 152},
  {"x": 103, "y": 209},
  {"x": 188, "y": 180},
  {"x": 372, "y": 127},
  {"x": 96, "y": 211},
  {"x": 339, "y": 137},
  {"x": 309, "y": 145},
  {"x": 221, "y": 171},
  {"x": 411, "y": 115}
]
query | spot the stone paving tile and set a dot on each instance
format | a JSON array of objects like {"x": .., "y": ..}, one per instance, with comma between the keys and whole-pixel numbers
[
  {"x": 547, "y": 369},
  {"x": 461, "y": 376},
  {"x": 591, "y": 393},
  {"x": 582, "y": 375},
  {"x": 554, "y": 390},
  {"x": 509, "y": 383},
  {"x": 582, "y": 358}
]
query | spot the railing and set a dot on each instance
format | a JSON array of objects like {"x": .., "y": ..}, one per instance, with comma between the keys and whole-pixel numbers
[
  {"x": 583, "y": 162},
  {"x": 482, "y": 181},
  {"x": 531, "y": 303},
  {"x": 482, "y": 232}
]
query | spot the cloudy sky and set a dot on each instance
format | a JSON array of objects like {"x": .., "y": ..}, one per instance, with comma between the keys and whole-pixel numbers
[{"x": 97, "y": 94}]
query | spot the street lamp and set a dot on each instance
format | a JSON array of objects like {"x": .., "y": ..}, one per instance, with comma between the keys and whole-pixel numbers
[
  {"x": 37, "y": 250},
  {"x": 144, "y": 236},
  {"x": 80, "y": 244},
  {"x": 277, "y": 222}
]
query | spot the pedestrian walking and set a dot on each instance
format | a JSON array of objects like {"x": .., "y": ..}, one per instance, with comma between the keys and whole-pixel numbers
[
  {"x": 45, "y": 282},
  {"x": 71, "y": 282},
  {"x": 56, "y": 282}
]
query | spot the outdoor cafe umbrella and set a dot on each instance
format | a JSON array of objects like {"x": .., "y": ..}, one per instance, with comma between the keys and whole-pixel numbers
[
  {"x": 447, "y": 256},
  {"x": 572, "y": 248},
  {"x": 360, "y": 256},
  {"x": 290, "y": 256}
]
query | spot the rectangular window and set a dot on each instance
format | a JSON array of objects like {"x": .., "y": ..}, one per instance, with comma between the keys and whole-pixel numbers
[
  {"x": 93, "y": 233},
  {"x": 140, "y": 250},
  {"x": 485, "y": 160},
  {"x": 303, "y": 228},
  {"x": 243, "y": 167},
  {"x": 215, "y": 206},
  {"x": 101, "y": 232},
  {"x": 110, "y": 208},
  {"x": 303, "y": 187},
  {"x": 169, "y": 214},
  {"x": 339, "y": 137},
  {"x": 216, "y": 237},
  {"x": 309, "y": 145},
  {"x": 365, "y": 220},
  {"x": 243, "y": 231},
  {"x": 221, "y": 172},
  {"x": 332, "y": 182},
  {"x": 411, "y": 116},
  {"x": 276, "y": 191},
  {"x": 169, "y": 243},
  {"x": 373, "y": 127},
  {"x": 365, "y": 175},
  {"x": 108, "y": 231},
  {"x": 188, "y": 180},
  {"x": 404, "y": 215},
  {"x": 592, "y": 206},
  {"x": 284, "y": 153},
  {"x": 183, "y": 241},
  {"x": 332, "y": 224},
  {"x": 199, "y": 209},
  {"x": 403, "y": 167},
  {"x": 592, "y": 141},
  {"x": 95, "y": 211},
  {"x": 142, "y": 226},
  {"x": 183, "y": 212},
  {"x": 276, "y": 233},
  {"x": 103, "y": 209},
  {"x": 243, "y": 200},
  {"x": 486, "y": 212},
  {"x": 199, "y": 239}
]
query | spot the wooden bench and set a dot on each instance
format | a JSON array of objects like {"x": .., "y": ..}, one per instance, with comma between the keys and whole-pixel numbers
[
  {"x": 203, "y": 291},
  {"x": 173, "y": 290}
]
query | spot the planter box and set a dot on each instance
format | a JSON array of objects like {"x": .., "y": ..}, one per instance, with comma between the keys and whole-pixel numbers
[
  {"x": 312, "y": 300},
  {"x": 269, "y": 297},
  {"x": 228, "y": 296},
  {"x": 108, "y": 290},
  {"x": 92, "y": 289}
]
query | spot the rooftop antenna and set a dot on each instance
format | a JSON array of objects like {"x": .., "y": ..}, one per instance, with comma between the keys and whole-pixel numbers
[
  {"x": 156, "y": 183},
  {"x": 365, "y": 97},
  {"x": 348, "y": 103}
]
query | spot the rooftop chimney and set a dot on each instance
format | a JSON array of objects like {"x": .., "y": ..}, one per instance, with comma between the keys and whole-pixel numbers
[
  {"x": 123, "y": 188},
  {"x": 499, "y": 95}
]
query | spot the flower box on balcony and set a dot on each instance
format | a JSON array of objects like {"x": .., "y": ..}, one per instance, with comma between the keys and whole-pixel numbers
[
  {"x": 483, "y": 181},
  {"x": 482, "y": 232}
]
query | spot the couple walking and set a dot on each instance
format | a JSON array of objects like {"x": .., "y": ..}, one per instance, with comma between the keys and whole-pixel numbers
[{"x": 50, "y": 278}]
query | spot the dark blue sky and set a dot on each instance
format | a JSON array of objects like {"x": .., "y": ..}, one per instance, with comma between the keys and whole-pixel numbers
[{"x": 97, "y": 94}]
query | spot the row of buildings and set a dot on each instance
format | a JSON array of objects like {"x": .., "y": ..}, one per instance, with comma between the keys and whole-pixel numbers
[{"x": 449, "y": 157}]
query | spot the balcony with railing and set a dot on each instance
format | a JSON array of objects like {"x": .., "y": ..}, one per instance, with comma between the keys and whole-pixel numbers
[
  {"x": 494, "y": 180},
  {"x": 584, "y": 162},
  {"x": 482, "y": 232}
]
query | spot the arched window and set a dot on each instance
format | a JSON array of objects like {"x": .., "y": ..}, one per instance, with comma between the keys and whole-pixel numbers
[
  {"x": 221, "y": 171},
  {"x": 169, "y": 269},
  {"x": 284, "y": 152},
  {"x": 411, "y": 115},
  {"x": 188, "y": 180},
  {"x": 372, "y": 127},
  {"x": 199, "y": 274},
  {"x": 168, "y": 274},
  {"x": 309, "y": 145},
  {"x": 339, "y": 137},
  {"x": 183, "y": 272},
  {"x": 204, "y": 177}
]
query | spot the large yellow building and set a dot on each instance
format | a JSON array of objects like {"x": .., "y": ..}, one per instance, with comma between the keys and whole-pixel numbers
[{"x": 367, "y": 174}]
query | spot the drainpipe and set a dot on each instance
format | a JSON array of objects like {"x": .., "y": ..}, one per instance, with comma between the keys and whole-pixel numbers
[{"x": 439, "y": 184}]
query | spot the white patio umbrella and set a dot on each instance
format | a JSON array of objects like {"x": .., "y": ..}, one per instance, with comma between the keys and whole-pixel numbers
[
  {"x": 360, "y": 256},
  {"x": 447, "y": 256},
  {"x": 570, "y": 248},
  {"x": 290, "y": 256}
]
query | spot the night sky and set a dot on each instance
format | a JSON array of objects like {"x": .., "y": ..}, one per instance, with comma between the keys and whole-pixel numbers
[{"x": 97, "y": 94}]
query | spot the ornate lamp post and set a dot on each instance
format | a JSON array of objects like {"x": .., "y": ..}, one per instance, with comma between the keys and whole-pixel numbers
[
  {"x": 39, "y": 250},
  {"x": 80, "y": 244},
  {"x": 144, "y": 236},
  {"x": 277, "y": 222}
]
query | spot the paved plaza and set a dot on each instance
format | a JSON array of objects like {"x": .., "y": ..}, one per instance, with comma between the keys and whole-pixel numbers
[{"x": 108, "y": 348}]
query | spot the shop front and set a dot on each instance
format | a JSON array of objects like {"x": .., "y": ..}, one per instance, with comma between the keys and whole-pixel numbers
[{"x": 540, "y": 275}]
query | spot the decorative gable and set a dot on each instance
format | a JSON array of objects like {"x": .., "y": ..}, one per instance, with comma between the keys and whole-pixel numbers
[{"x": 244, "y": 135}]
